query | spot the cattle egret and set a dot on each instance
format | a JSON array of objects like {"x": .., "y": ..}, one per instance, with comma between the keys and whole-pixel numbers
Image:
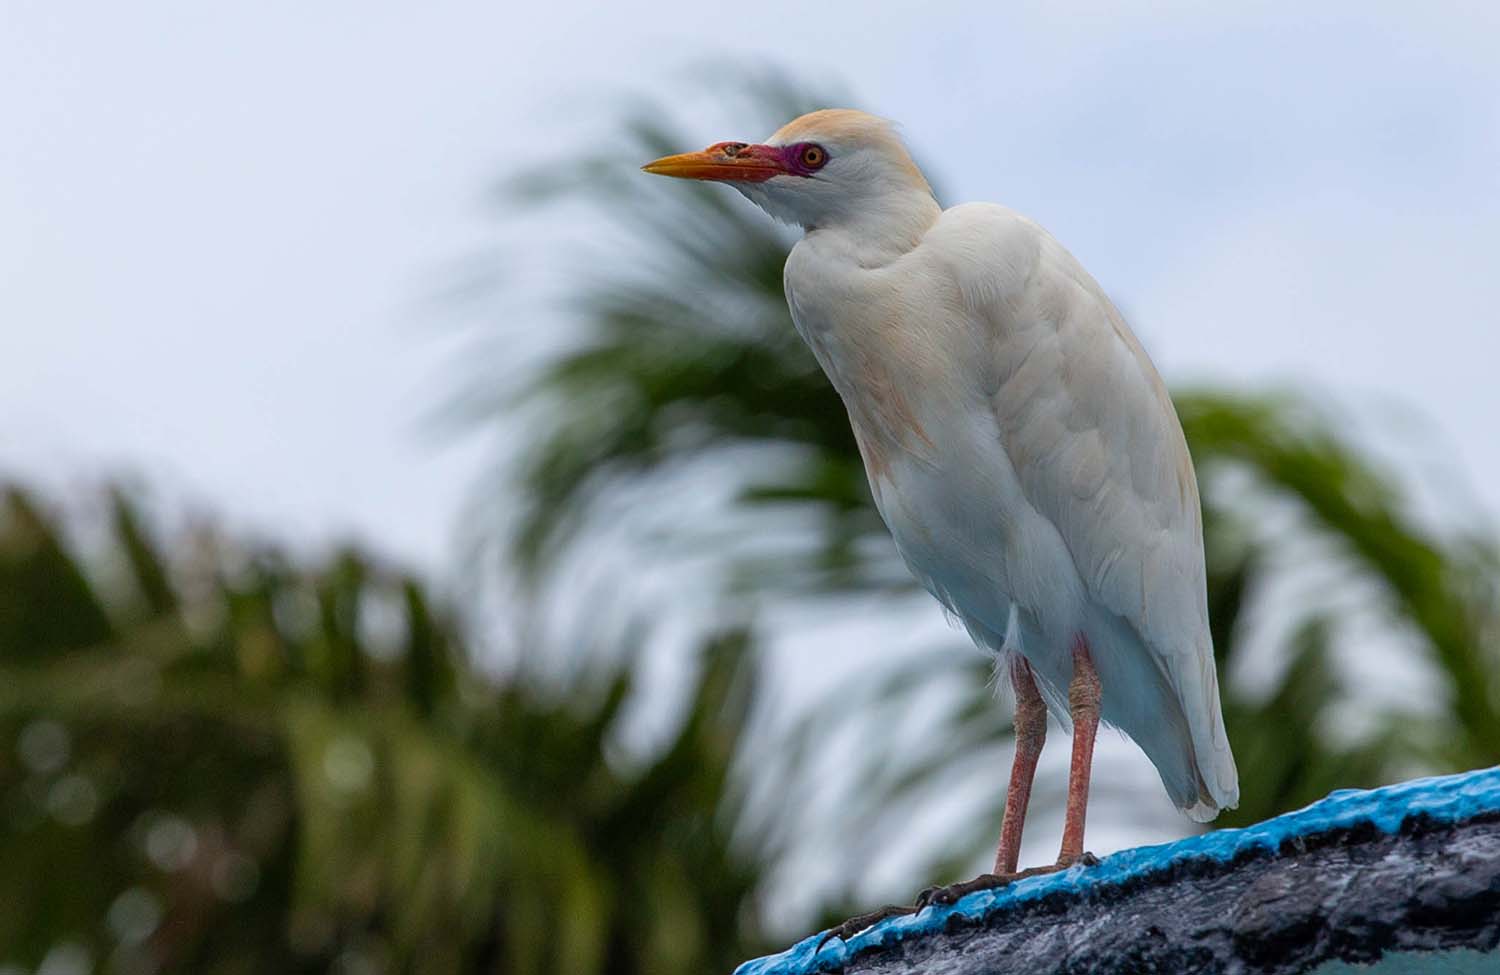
[{"x": 1020, "y": 446}]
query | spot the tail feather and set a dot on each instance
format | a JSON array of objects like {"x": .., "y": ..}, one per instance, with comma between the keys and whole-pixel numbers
[
  {"x": 1219, "y": 780},
  {"x": 1180, "y": 728}
]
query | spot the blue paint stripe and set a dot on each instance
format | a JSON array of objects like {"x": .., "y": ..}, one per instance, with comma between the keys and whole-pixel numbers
[{"x": 1446, "y": 799}]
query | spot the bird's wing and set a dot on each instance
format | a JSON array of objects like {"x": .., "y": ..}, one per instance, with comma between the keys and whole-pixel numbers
[{"x": 1098, "y": 448}]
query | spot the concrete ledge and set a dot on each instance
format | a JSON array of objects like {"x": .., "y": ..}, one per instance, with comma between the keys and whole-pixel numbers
[{"x": 1355, "y": 877}]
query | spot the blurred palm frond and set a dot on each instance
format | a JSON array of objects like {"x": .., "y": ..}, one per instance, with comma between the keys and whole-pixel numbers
[{"x": 241, "y": 762}]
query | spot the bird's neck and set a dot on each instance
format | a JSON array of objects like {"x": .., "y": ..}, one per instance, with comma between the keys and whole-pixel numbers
[{"x": 877, "y": 234}]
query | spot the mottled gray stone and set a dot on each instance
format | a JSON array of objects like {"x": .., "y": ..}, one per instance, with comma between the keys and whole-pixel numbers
[{"x": 1352, "y": 896}]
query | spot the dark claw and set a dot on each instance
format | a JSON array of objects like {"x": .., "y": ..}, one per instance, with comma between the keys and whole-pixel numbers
[
  {"x": 951, "y": 894},
  {"x": 860, "y": 922},
  {"x": 925, "y": 896}
]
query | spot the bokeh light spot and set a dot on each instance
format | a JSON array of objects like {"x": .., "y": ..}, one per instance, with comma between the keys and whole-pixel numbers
[
  {"x": 73, "y": 800},
  {"x": 134, "y": 915},
  {"x": 67, "y": 958},
  {"x": 348, "y": 764},
  {"x": 44, "y": 746},
  {"x": 171, "y": 843}
]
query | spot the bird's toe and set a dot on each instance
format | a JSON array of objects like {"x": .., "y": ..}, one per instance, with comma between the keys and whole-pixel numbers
[
  {"x": 928, "y": 895},
  {"x": 860, "y": 922},
  {"x": 941, "y": 896}
]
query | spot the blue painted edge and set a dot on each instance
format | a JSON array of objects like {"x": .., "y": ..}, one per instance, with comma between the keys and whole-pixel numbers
[{"x": 1445, "y": 799}]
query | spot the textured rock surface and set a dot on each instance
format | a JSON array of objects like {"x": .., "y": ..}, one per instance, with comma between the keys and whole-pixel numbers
[{"x": 1356, "y": 877}]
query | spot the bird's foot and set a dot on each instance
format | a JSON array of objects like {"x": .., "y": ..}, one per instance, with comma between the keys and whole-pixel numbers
[
  {"x": 860, "y": 922},
  {"x": 953, "y": 892},
  {"x": 989, "y": 881},
  {"x": 941, "y": 896},
  {"x": 928, "y": 897}
]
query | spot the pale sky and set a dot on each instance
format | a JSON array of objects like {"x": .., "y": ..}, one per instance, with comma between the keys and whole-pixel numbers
[
  {"x": 222, "y": 227},
  {"x": 220, "y": 230}
]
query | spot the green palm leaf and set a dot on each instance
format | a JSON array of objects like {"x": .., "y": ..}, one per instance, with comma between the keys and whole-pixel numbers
[{"x": 280, "y": 766}]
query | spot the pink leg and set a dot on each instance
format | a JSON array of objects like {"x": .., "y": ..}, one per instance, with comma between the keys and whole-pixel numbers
[
  {"x": 1084, "y": 693},
  {"x": 1031, "y": 734},
  {"x": 1031, "y": 730}
]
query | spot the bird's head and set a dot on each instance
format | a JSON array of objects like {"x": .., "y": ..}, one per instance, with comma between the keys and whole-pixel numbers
[{"x": 834, "y": 166}]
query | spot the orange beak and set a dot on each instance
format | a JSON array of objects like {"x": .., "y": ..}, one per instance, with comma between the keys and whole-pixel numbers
[{"x": 723, "y": 162}]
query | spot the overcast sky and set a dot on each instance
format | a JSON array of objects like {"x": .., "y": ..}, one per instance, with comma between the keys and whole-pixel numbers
[{"x": 221, "y": 226}]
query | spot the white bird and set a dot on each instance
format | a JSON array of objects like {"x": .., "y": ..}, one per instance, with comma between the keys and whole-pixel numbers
[{"x": 1020, "y": 446}]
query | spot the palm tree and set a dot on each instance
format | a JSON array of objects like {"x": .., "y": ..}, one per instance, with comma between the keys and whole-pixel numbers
[
  {"x": 219, "y": 758},
  {"x": 687, "y": 368}
]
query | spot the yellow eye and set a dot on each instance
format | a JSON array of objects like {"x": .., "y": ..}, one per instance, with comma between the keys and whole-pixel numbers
[{"x": 813, "y": 156}]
